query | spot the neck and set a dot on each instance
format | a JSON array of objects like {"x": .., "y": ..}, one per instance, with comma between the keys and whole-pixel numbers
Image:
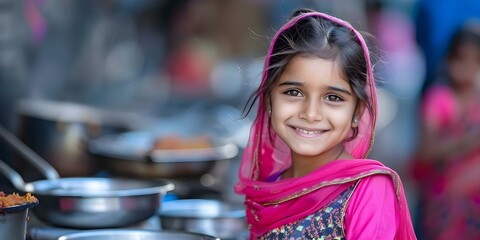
[{"x": 303, "y": 165}]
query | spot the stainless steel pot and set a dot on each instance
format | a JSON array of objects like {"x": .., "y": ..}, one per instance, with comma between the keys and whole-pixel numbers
[
  {"x": 59, "y": 132},
  {"x": 13, "y": 221},
  {"x": 86, "y": 202},
  {"x": 212, "y": 217},
  {"x": 131, "y": 154},
  {"x": 129, "y": 234}
]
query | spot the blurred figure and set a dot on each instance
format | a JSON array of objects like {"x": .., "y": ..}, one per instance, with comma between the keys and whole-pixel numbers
[
  {"x": 436, "y": 21},
  {"x": 448, "y": 157}
]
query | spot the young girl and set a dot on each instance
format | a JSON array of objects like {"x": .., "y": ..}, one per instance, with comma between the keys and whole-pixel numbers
[
  {"x": 448, "y": 157},
  {"x": 303, "y": 172}
]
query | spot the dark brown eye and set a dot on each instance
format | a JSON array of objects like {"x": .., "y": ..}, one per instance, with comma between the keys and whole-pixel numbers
[
  {"x": 294, "y": 93},
  {"x": 333, "y": 98}
]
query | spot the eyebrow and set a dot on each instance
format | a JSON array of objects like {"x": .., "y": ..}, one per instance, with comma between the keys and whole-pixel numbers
[
  {"x": 338, "y": 89},
  {"x": 292, "y": 83},
  {"x": 332, "y": 88}
]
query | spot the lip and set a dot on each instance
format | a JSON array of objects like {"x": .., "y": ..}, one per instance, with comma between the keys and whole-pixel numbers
[{"x": 307, "y": 132}]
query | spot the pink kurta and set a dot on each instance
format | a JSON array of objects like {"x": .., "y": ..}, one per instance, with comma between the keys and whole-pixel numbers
[{"x": 368, "y": 209}]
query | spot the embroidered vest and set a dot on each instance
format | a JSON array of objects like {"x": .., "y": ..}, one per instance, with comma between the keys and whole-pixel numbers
[{"x": 326, "y": 223}]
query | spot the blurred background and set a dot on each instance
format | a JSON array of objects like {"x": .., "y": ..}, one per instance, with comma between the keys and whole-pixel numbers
[{"x": 90, "y": 85}]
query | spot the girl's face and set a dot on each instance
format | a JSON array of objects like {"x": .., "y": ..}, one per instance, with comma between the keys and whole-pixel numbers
[
  {"x": 464, "y": 66},
  {"x": 312, "y": 108}
]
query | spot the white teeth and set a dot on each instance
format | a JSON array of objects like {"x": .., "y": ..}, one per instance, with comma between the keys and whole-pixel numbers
[{"x": 307, "y": 132}]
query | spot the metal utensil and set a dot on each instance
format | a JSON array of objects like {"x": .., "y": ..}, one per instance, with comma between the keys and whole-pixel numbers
[
  {"x": 128, "y": 234},
  {"x": 131, "y": 154},
  {"x": 13, "y": 221},
  {"x": 86, "y": 202},
  {"x": 59, "y": 132},
  {"x": 207, "y": 216}
]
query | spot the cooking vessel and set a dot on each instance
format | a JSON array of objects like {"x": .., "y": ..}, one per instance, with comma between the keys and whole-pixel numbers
[
  {"x": 13, "y": 221},
  {"x": 213, "y": 217},
  {"x": 129, "y": 234},
  {"x": 59, "y": 132},
  {"x": 86, "y": 202},
  {"x": 132, "y": 154}
]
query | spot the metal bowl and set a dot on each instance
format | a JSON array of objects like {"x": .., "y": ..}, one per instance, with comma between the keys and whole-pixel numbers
[
  {"x": 131, "y": 154},
  {"x": 13, "y": 221},
  {"x": 88, "y": 203},
  {"x": 212, "y": 217},
  {"x": 128, "y": 234}
]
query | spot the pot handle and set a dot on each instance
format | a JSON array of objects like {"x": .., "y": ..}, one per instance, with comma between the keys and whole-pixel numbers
[
  {"x": 13, "y": 176},
  {"x": 42, "y": 165}
]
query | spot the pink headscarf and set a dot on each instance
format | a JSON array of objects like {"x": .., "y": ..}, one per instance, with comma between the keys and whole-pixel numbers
[{"x": 273, "y": 204}]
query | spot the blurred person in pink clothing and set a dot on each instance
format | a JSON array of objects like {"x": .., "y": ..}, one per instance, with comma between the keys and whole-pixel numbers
[
  {"x": 447, "y": 163},
  {"x": 304, "y": 171}
]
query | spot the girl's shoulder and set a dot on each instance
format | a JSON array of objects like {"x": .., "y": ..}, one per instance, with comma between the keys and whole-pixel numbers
[
  {"x": 377, "y": 175},
  {"x": 378, "y": 180}
]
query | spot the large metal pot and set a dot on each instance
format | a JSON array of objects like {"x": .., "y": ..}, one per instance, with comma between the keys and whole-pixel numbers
[
  {"x": 13, "y": 221},
  {"x": 86, "y": 202},
  {"x": 129, "y": 234},
  {"x": 212, "y": 217},
  {"x": 59, "y": 132},
  {"x": 132, "y": 154}
]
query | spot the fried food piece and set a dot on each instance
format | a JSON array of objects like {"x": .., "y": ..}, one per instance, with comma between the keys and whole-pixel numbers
[
  {"x": 177, "y": 142},
  {"x": 14, "y": 199}
]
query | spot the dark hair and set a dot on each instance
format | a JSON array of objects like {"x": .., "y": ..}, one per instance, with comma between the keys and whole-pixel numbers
[
  {"x": 317, "y": 37},
  {"x": 469, "y": 33}
]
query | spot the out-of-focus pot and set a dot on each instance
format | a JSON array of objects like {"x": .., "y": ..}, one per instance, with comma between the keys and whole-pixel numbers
[
  {"x": 13, "y": 221},
  {"x": 129, "y": 234},
  {"x": 130, "y": 154},
  {"x": 212, "y": 217},
  {"x": 85, "y": 202},
  {"x": 59, "y": 132}
]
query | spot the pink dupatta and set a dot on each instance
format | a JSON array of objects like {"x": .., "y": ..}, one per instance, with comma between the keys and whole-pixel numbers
[{"x": 273, "y": 204}]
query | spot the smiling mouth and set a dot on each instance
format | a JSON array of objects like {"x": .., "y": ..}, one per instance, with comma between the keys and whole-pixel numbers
[{"x": 307, "y": 133}]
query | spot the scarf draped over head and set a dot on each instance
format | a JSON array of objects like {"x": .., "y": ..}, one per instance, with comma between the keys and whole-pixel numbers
[{"x": 273, "y": 204}]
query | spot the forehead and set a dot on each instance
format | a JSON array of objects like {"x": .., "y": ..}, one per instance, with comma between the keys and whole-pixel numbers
[{"x": 313, "y": 70}]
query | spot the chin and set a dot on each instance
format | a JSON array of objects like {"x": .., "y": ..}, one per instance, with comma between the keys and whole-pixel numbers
[{"x": 307, "y": 152}]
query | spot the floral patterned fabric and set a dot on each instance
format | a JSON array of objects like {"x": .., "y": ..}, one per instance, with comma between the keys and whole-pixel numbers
[{"x": 326, "y": 223}]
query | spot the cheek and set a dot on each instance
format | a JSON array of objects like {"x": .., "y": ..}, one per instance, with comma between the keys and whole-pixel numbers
[
  {"x": 281, "y": 112},
  {"x": 283, "y": 108},
  {"x": 342, "y": 118}
]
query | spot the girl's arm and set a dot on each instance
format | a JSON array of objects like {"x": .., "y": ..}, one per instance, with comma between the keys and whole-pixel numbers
[{"x": 372, "y": 211}]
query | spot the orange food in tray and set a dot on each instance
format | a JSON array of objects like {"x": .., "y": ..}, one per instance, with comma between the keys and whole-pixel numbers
[
  {"x": 14, "y": 199},
  {"x": 173, "y": 142}
]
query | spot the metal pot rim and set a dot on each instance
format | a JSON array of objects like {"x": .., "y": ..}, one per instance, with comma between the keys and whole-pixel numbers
[
  {"x": 68, "y": 187},
  {"x": 19, "y": 208},
  {"x": 132, "y": 232},
  {"x": 189, "y": 209}
]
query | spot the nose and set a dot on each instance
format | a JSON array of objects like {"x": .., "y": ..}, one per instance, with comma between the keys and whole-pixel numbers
[{"x": 311, "y": 111}]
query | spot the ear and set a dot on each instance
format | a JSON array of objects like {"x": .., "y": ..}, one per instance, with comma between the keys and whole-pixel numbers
[{"x": 357, "y": 115}]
